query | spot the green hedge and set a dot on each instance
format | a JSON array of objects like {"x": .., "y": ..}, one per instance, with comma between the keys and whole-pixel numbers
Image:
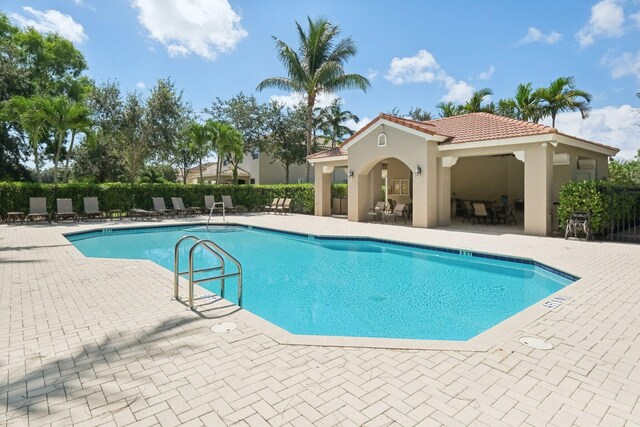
[
  {"x": 14, "y": 196},
  {"x": 603, "y": 199}
]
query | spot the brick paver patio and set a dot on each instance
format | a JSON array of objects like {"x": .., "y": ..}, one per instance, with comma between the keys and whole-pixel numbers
[{"x": 98, "y": 342}]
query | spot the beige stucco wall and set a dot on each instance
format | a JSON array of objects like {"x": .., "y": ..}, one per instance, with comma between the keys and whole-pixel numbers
[
  {"x": 566, "y": 173},
  {"x": 488, "y": 178}
]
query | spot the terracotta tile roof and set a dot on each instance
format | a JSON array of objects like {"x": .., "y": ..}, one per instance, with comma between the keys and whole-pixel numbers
[
  {"x": 331, "y": 152},
  {"x": 464, "y": 128},
  {"x": 485, "y": 126}
]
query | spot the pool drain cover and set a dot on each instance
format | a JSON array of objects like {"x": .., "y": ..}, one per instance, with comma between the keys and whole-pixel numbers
[
  {"x": 537, "y": 343},
  {"x": 224, "y": 327}
]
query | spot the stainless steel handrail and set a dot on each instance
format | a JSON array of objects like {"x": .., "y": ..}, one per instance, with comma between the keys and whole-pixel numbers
[
  {"x": 215, "y": 250},
  {"x": 213, "y": 206}
]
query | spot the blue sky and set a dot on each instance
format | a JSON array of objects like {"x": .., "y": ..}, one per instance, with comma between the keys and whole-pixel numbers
[{"x": 417, "y": 53}]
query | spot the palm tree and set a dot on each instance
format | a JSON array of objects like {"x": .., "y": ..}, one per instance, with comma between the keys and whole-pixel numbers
[
  {"x": 228, "y": 144},
  {"x": 200, "y": 139},
  {"x": 525, "y": 105},
  {"x": 449, "y": 109},
  {"x": 332, "y": 119},
  {"x": 79, "y": 122},
  {"x": 562, "y": 95},
  {"x": 317, "y": 67},
  {"x": 27, "y": 114},
  {"x": 474, "y": 104}
]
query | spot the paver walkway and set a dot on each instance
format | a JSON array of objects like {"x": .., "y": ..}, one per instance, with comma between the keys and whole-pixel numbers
[{"x": 98, "y": 342}]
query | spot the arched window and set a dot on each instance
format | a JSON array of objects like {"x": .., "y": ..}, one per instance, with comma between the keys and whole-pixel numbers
[{"x": 382, "y": 140}]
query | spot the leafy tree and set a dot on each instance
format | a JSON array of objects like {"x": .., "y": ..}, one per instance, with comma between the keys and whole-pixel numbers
[
  {"x": 165, "y": 117},
  {"x": 26, "y": 114},
  {"x": 331, "y": 122},
  {"x": 525, "y": 105},
  {"x": 316, "y": 67},
  {"x": 246, "y": 115},
  {"x": 418, "y": 114},
  {"x": 395, "y": 111},
  {"x": 562, "y": 95},
  {"x": 449, "y": 109},
  {"x": 133, "y": 143},
  {"x": 200, "y": 139},
  {"x": 229, "y": 146},
  {"x": 287, "y": 129}
]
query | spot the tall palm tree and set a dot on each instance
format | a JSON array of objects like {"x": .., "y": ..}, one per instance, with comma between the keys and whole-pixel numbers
[
  {"x": 27, "y": 114},
  {"x": 449, "y": 109},
  {"x": 332, "y": 119},
  {"x": 228, "y": 144},
  {"x": 79, "y": 121},
  {"x": 475, "y": 105},
  {"x": 525, "y": 105},
  {"x": 316, "y": 67},
  {"x": 200, "y": 140},
  {"x": 562, "y": 95}
]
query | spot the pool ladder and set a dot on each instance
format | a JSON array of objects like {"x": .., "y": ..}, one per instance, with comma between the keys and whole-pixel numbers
[
  {"x": 213, "y": 206},
  {"x": 216, "y": 251}
]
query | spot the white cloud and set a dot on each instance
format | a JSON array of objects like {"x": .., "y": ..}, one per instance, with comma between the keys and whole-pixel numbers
[
  {"x": 535, "y": 35},
  {"x": 357, "y": 126},
  {"x": 202, "y": 27},
  {"x": 627, "y": 64},
  {"x": 141, "y": 85},
  {"x": 51, "y": 21},
  {"x": 486, "y": 75},
  {"x": 421, "y": 67},
  {"x": 294, "y": 99},
  {"x": 635, "y": 18},
  {"x": 372, "y": 74},
  {"x": 607, "y": 19},
  {"x": 616, "y": 126},
  {"x": 457, "y": 90}
]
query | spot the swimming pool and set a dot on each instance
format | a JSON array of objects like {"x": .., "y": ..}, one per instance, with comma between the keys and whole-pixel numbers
[{"x": 349, "y": 286}]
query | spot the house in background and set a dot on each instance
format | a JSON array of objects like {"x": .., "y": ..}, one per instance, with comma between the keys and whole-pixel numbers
[
  {"x": 209, "y": 174},
  {"x": 472, "y": 157}
]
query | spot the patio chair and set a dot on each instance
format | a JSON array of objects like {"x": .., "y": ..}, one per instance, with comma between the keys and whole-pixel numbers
[
  {"x": 273, "y": 206},
  {"x": 160, "y": 207},
  {"x": 399, "y": 211},
  {"x": 142, "y": 214},
  {"x": 579, "y": 223},
  {"x": 479, "y": 212},
  {"x": 91, "y": 209},
  {"x": 228, "y": 205},
  {"x": 38, "y": 210},
  {"x": 210, "y": 203},
  {"x": 178, "y": 207},
  {"x": 507, "y": 216},
  {"x": 64, "y": 210},
  {"x": 468, "y": 211},
  {"x": 375, "y": 213},
  {"x": 285, "y": 207}
]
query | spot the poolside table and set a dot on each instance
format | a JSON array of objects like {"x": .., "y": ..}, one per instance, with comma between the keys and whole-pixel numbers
[
  {"x": 15, "y": 216},
  {"x": 115, "y": 213}
]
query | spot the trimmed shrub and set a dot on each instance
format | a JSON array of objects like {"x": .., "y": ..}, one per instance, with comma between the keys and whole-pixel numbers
[{"x": 14, "y": 196}]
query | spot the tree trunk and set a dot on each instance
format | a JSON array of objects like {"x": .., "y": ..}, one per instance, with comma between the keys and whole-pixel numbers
[
  {"x": 553, "y": 119},
  {"x": 286, "y": 173},
  {"x": 218, "y": 169},
  {"x": 66, "y": 166},
  {"x": 36, "y": 161},
  {"x": 311, "y": 99},
  {"x": 56, "y": 159},
  {"x": 201, "y": 176},
  {"x": 235, "y": 174}
]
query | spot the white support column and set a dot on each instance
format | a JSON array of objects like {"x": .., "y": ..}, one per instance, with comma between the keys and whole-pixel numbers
[
  {"x": 322, "y": 190},
  {"x": 538, "y": 179},
  {"x": 444, "y": 190}
]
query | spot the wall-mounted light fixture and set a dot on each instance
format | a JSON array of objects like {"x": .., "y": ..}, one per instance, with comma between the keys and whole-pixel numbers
[
  {"x": 418, "y": 171},
  {"x": 350, "y": 174}
]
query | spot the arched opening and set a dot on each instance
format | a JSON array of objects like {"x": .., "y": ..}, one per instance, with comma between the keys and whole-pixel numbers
[{"x": 390, "y": 182}]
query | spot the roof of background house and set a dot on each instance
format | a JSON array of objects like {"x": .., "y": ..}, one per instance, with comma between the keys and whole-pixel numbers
[{"x": 463, "y": 128}]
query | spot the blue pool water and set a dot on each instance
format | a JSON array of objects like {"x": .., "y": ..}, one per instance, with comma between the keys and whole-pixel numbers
[{"x": 360, "y": 287}]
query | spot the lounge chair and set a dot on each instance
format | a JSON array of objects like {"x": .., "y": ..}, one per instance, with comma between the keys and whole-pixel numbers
[
  {"x": 65, "y": 210},
  {"x": 228, "y": 205},
  {"x": 507, "y": 216},
  {"x": 399, "y": 211},
  {"x": 178, "y": 207},
  {"x": 91, "y": 209},
  {"x": 468, "y": 211},
  {"x": 142, "y": 214},
  {"x": 479, "y": 212},
  {"x": 273, "y": 206},
  {"x": 210, "y": 203},
  {"x": 285, "y": 207},
  {"x": 375, "y": 213},
  {"x": 159, "y": 206},
  {"x": 38, "y": 210}
]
